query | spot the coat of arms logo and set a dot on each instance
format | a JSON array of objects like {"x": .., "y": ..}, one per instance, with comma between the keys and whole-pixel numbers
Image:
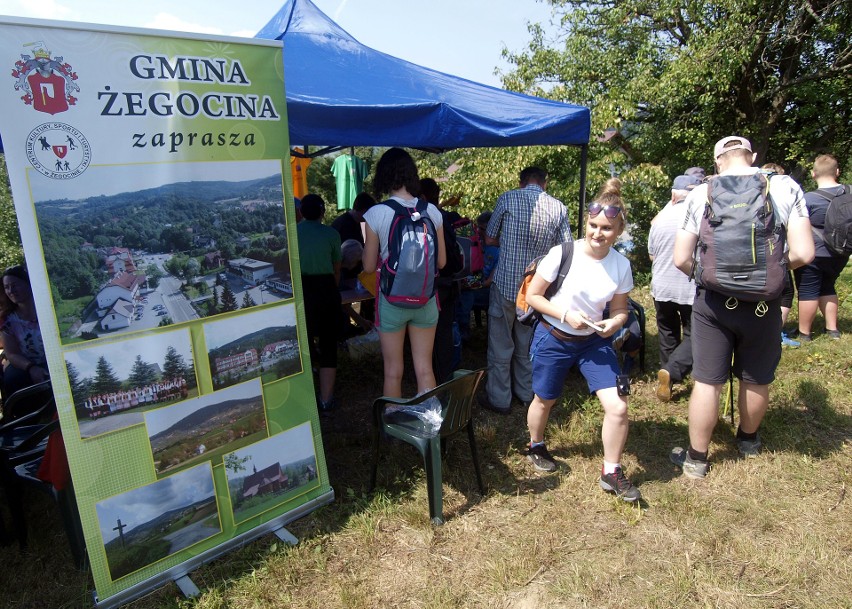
[{"x": 48, "y": 82}]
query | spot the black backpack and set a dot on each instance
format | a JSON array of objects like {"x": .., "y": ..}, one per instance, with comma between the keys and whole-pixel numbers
[
  {"x": 525, "y": 313},
  {"x": 837, "y": 232},
  {"x": 740, "y": 250}
]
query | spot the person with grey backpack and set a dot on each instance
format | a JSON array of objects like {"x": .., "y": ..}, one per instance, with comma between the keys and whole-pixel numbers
[{"x": 743, "y": 227}]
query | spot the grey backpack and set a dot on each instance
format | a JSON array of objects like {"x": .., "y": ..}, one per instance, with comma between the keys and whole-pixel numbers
[{"x": 740, "y": 249}]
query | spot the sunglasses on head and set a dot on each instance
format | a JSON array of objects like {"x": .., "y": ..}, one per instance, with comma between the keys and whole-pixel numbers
[{"x": 610, "y": 211}]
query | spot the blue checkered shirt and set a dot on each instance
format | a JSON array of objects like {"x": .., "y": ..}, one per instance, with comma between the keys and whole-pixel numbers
[{"x": 528, "y": 222}]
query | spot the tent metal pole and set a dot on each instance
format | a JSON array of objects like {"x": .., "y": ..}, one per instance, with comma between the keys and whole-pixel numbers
[{"x": 584, "y": 159}]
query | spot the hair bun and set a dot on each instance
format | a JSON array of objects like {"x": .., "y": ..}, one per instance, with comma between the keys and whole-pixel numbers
[{"x": 611, "y": 187}]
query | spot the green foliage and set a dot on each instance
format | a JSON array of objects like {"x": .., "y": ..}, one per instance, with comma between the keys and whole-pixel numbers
[
  {"x": 229, "y": 299},
  {"x": 674, "y": 77},
  {"x": 248, "y": 301},
  {"x": 106, "y": 380},
  {"x": 10, "y": 239},
  {"x": 174, "y": 365},
  {"x": 141, "y": 374}
]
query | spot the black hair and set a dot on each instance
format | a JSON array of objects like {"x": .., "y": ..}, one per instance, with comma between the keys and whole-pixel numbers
[
  {"x": 394, "y": 170},
  {"x": 19, "y": 271},
  {"x": 313, "y": 207},
  {"x": 363, "y": 202},
  {"x": 430, "y": 190},
  {"x": 533, "y": 174}
]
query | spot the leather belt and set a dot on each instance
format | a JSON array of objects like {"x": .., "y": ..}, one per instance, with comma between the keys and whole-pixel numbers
[{"x": 559, "y": 334}]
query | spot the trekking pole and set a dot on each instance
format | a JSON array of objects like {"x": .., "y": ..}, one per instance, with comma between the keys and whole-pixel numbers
[
  {"x": 731, "y": 395},
  {"x": 729, "y": 400}
]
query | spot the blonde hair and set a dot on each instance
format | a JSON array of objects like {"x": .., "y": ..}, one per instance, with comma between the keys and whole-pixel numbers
[
  {"x": 774, "y": 167},
  {"x": 825, "y": 166},
  {"x": 610, "y": 194}
]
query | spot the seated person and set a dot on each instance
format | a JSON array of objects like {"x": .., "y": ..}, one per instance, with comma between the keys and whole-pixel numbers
[
  {"x": 22, "y": 342},
  {"x": 350, "y": 259},
  {"x": 348, "y": 224}
]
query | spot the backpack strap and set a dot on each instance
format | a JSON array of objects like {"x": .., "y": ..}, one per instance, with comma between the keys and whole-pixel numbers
[
  {"x": 564, "y": 267},
  {"x": 830, "y": 197}
]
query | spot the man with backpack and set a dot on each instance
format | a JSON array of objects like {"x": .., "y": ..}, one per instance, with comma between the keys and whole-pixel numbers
[
  {"x": 815, "y": 281},
  {"x": 527, "y": 222},
  {"x": 733, "y": 243}
]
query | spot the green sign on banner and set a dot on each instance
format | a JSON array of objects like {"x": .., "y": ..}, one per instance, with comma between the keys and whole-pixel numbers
[{"x": 148, "y": 174}]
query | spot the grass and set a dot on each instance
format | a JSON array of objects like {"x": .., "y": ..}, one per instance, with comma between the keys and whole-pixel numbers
[{"x": 771, "y": 532}]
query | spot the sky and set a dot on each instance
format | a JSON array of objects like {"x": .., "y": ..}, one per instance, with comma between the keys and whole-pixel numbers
[
  {"x": 460, "y": 37},
  {"x": 145, "y": 503},
  {"x": 160, "y": 419},
  {"x": 122, "y": 355},
  {"x": 114, "y": 179},
  {"x": 224, "y": 331},
  {"x": 292, "y": 445}
]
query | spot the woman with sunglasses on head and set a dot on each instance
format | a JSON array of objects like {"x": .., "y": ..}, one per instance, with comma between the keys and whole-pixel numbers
[{"x": 573, "y": 331}]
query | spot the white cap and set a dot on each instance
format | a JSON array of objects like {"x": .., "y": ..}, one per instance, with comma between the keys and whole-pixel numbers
[{"x": 732, "y": 142}]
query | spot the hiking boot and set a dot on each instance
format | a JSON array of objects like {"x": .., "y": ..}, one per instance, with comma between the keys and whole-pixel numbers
[
  {"x": 786, "y": 341},
  {"x": 618, "y": 483},
  {"x": 664, "y": 385},
  {"x": 749, "y": 448},
  {"x": 801, "y": 336},
  {"x": 833, "y": 334},
  {"x": 541, "y": 459},
  {"x": 691, "y": 468}
]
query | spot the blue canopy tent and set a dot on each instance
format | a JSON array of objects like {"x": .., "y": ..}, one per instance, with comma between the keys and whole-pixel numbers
[{"x": 341, "y": 93}]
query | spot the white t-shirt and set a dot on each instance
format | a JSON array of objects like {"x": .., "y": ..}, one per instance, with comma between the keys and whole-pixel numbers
[
  {"x": 786, "y": 196},
  {"x": 589, "y": 285},
  {"x": 379, "y": 218}
]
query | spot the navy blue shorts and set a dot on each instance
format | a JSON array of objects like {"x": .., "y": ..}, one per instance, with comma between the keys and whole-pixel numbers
[
  {"x": 818, "y": 278},
  {"x": 552, "y": 359}
]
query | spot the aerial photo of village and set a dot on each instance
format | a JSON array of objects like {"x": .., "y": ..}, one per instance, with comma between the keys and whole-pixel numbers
[{"x": 138, "y": 247}]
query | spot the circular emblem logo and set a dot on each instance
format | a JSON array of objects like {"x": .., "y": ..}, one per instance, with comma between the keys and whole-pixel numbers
[{"x": 58, "y": 151}]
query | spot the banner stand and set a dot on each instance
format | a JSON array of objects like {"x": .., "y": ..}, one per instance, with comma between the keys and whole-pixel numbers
[
  {"x": 159, "y": 229},
  {"x": 190, "y": 590},
  {"x": 183, "y": 570}
]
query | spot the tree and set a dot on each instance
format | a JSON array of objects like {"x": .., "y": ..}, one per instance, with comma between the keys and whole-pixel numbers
[
  {"x": 154, "y": 274},
  {"x": 666, "y": 80},
  {"x": 234, "y": 463},
  {"x": 192, "y": 269},
  {"x": 10, "y": 239},
  {"x": 248, "y": 301},
  {"x": 105, "y": 379},
  {"x": 141, "y": 373},
  {"x": 174, "y": 365},
  {"x": 79, "y": 389},
  {"x": 229, "y": 300},
  {"x": 675, "y": 77}
]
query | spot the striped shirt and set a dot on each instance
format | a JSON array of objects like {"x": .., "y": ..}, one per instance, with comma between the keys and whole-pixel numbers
[
  {"x": 668, "y": 283},
  {"x": 528, "y": 222}
]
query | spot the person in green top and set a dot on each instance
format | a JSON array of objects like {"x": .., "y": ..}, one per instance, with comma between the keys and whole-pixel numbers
[{"x": 319, "y": 257}]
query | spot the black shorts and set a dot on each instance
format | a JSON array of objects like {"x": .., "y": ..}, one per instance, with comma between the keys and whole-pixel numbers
[
  {"x": 747, "y": 332},
  {"x": 323, "y": 316}
]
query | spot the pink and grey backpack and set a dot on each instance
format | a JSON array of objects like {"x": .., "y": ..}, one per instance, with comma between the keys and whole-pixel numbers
[{"x": 407, "y": 275}]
